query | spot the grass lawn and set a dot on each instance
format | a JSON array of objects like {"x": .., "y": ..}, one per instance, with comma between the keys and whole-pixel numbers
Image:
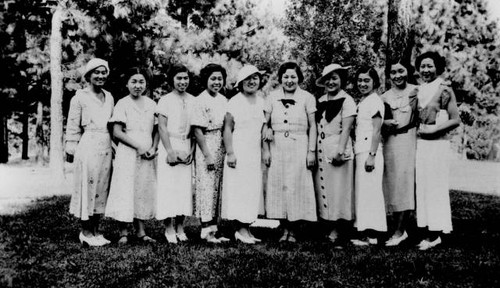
[{"x": 39, "y": 248}]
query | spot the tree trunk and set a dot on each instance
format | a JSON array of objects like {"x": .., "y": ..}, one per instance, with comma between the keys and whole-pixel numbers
[
  {"x": 40, "y": 137},
  {"x": 4, "y": 137},
  {"x": 56, "y": 115},
  {"x": 24, "y": 134},
  {"x": 392, "y": 19}
]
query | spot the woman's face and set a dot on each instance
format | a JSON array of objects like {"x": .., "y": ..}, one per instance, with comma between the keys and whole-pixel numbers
[
  {"x": 427, "y": 70},
  {"x": 399, "y": 75},
  {"x": 181, "y": 81},
  {"x": 136, "y": 85},
  {"x": 290, "y": 80},
  {"x": 251, "y": 84},
  {"x": 98, "y": 76},
  {"x": 333, "y": 83},
  {"x": 215, "y": 82},
  {"x": 365, "y": 84}
]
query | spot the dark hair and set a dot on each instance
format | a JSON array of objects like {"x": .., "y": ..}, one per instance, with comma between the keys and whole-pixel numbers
[
  {"x": 138, "y": 70},
  {"x": 293, "y": 66},
  {"x": 261, "y": 83},
  {"x": 209, "y": 70},
  {"x": 174, "y": 70},
  {"x": 439, "y": 61},
  {"x": 371, "y": 72},
  {"x": 409, "y": 68}
]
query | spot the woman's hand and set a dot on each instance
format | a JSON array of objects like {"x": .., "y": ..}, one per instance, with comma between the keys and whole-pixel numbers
[
  {"x": 172, "y": 158},
  {"x": 142, "y": 150},
  {"x": 337, "y": 159},
  {"x": 311, "y": 159},
  {"x": 70, "y": 158},
  {"x": 426, "y": 132},
  {"x": 266, "y": 158},
  {"x": 370, "y": 163},
  {"x": 150, "y": 154},
  {"x": 268, "y": 135},
  {"x": 210, "y": 162},
  {"x": 231, "y": 160}
]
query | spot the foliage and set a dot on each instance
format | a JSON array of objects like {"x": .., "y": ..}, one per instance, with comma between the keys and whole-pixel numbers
[
  {"x": 39, "y": 249},
  {"x": 463, "y": 32}
]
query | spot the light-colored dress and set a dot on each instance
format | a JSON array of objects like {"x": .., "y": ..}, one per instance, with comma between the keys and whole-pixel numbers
[
  {"x": 209, "y": 114},
  {"x": 290, "y": 188},
  {"x": 242, "y": 185},
  {"x": 432, "y": 166},
  {"x": 87, "y": 136},
  {"x": 399, "y": 150},
  {"x": 368, "y": 194},
  {"x": 133, "y": 184},
  {"x": 175, "y": 189},
  {"x": 334, "y": 184}
]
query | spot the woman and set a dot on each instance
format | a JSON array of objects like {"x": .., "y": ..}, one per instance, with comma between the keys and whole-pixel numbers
[
  {"x": 290, "y": 190},
  {"x": 175, "y": 195},
  {"x": 132, "y": 196},
  {"x": 399, "y": 149},
  {"x": 334, "y": 178},
  {"x": 208, "y": 120},
  {"x": 438, "y": 114},
  {"x": 368, "y": 195},
  {"x": 88, "y": 142},
  {"x": 242, "y": 176}
]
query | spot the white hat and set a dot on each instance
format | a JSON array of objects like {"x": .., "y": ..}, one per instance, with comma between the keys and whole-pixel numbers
[
  {"x": 329, "y": 69},
  {"x": 93, "y": 64},
  {"x": 247, "y": 71}
]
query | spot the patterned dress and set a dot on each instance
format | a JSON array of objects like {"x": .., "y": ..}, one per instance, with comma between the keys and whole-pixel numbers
[
  {"x": 334, "y": 184},
  {"x": 290, "y": 189},
  {"x": 399, "y": 150},
  {"x": 88, "y": 138},
  {"x": 175, "y": 189},
  {"x": 209, "y": 114},
  {"x": 432, "y": 168},
  {"x": 133, "y": 184},
  {"x": 368, "y": 194},
  {"x": 242, "y": 185}
]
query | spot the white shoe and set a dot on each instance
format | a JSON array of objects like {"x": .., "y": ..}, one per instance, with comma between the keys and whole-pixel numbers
[
  {"x": 239, "y": 237},
  {"x": 101, "y": 239},
  {"x": 182, "y": 237},
  {"x": 428, "y": 245},
  {"x": 89, "y": 241},
  {"x": 395, "y": 241},
  {"x": 205, "y": 232},
  {"x": 357, "y": 242},
  {"x": 171, "y": 238}
]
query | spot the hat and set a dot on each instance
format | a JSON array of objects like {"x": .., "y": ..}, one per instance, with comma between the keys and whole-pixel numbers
[
  {"x": 93, "y": 64},
  {"x": 329, "y": 69},
  {"x": 247, "y": 71}
]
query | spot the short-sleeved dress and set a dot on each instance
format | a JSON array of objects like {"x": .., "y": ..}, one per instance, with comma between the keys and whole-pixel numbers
[
  {"x": 399, "y": 150},
  {"x": 334, "y": 184},
  {"x": 209, "y": 114},
  {"x": 242, "y": 185},
  {"x": 175, "y": 189},
  {"x": 133, "y": 184},
  {"x": 432, "y": 166},
  {"x": 87, "y": 136},
  {"x": 368, "y": 194},
  {"x": 290, "y": 188}
]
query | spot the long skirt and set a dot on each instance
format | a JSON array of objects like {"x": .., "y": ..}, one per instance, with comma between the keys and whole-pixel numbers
[{"x": 432, "y": 180}]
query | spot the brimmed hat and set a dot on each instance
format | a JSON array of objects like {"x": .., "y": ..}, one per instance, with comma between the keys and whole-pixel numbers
[
  {"x": 329, "y": 69},
  {"x": 93, "y": 64},
  {"x": 246, "y": 71}
]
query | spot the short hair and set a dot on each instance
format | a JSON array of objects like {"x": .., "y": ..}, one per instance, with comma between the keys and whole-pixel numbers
[
  {"x": 209, "y": 70},
  {"x": 174, "y": 70},
  {"x": 293, "y": 66},
  {"x": 261, "y": 83},
  {"x": 409, "y": 68},
  {"x": 371, "y": 72},
  {"x": 439, "y": 61},
  {"x": 343, "y": 75},
  {"x": 138, "y": 70}
]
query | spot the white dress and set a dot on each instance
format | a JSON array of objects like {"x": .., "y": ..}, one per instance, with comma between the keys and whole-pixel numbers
[
  {"x": 368, "y": 194},
  {"x": 175, "y": 189},
  {"x": 242, "y": 185},
  {"x": 133, "y": 184}
]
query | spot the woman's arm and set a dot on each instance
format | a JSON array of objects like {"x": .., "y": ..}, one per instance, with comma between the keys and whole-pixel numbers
[
  {"x": 347, "y": 123},
  {"x": 228, "y": 139},
  {"x": 452, "y": 122},
  {"x": 266, "y": 150},
  {"x": 165, "y": 139},
  {"x": 73, "y": 128},
  {"x": 370, "y": 161},
  {"x": 120, "y": 134},
  {"x": 200, "y": 139},
  {"x": 312, "y": 135},
  {"x": 267, "y": 129}
]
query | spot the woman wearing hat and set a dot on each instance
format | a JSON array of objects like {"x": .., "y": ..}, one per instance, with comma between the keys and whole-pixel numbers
[
  {"x": 290, "y": 189},
  {"x": 334, "y": 178},
  {"x": 88, "y": 143},
  {"x": 242, "y": 176},
  {"x": 438, "y": 114}
]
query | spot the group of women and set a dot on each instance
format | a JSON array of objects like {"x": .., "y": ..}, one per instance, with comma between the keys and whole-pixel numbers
[{"x": 334, "y": 159}]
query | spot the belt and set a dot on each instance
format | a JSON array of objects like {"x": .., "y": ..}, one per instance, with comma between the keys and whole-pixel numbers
[
  {"x": 98, "y": 130},
  {"x": 287, "y": 133}
]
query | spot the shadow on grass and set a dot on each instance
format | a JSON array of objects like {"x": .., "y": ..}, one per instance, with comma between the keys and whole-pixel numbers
[{"x": 39, "y": 248}]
